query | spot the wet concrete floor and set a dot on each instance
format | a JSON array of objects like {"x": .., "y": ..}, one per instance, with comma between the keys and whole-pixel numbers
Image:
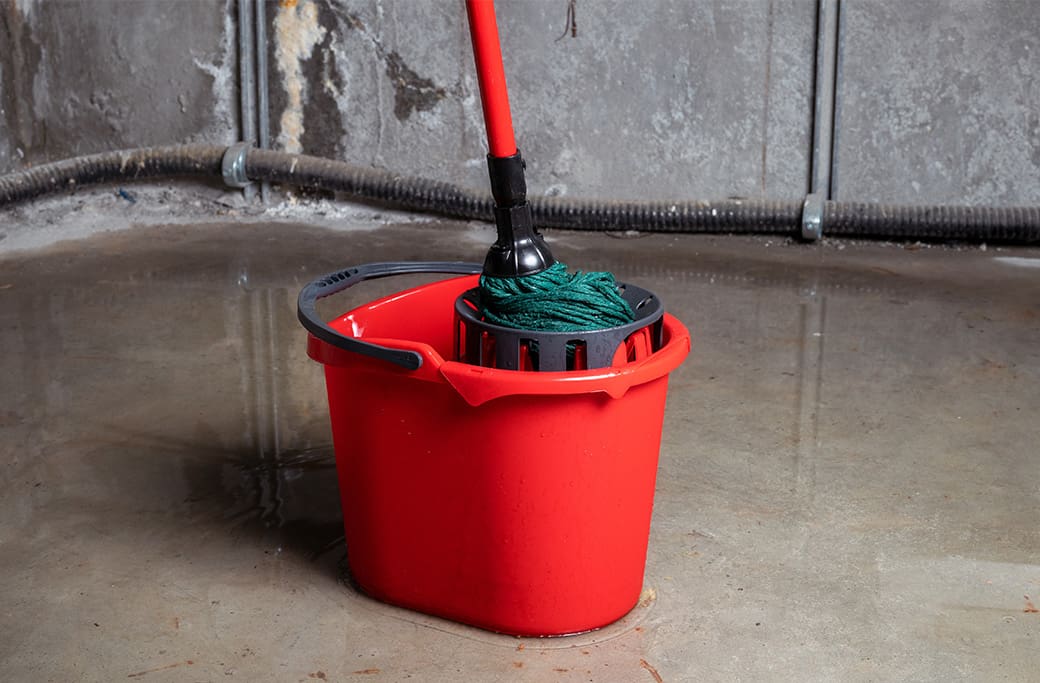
[{"x": 849, "y": 486}]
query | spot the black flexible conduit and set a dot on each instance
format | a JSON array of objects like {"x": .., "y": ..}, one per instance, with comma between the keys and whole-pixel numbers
[{"x": 843, "y": 219}]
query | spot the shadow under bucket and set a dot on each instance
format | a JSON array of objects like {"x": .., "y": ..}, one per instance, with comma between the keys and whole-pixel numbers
[{"x": 515, "y": 501}]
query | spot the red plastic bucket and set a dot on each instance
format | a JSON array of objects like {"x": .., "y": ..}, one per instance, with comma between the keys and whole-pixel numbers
[{"x": 518, "y": 502}]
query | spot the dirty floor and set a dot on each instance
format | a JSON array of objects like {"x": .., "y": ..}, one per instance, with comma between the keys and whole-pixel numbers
[{"x": 849, "y": 485}]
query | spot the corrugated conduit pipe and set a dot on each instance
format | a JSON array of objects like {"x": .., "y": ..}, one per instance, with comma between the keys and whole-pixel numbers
[{"x": 808, "y": 219}]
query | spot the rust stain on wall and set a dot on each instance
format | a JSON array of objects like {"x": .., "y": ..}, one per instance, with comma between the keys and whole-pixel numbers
[{"x": 297, "y": 32}]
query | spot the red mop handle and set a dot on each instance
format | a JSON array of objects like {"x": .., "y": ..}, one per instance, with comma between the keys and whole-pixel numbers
[{"x": 491, "y": 76}]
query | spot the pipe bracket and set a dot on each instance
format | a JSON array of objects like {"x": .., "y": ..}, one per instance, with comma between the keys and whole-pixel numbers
[
  {"x": 812, "y": 217},
  {"x": 233, "y": 165}
]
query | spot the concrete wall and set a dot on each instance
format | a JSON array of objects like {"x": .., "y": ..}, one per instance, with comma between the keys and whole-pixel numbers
[
  {"x": 939, "y": 101},
  {"x": 90, "y": 75},
  {"x": 936, "y": 99},
  {"x": 650, "y": 99}
]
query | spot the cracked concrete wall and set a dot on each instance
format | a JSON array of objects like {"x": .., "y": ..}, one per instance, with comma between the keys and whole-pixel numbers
[
  {"x": 649, "y": 100},
  {"x": 81, "y": 77},
  {"x": 936, "y": 102}
]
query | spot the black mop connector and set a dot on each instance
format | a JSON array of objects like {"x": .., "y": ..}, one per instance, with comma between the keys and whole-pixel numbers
[{"x": 520, "y": 249}]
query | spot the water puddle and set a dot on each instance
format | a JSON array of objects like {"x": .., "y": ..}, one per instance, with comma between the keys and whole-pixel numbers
[{"x": 164, "y": 436}]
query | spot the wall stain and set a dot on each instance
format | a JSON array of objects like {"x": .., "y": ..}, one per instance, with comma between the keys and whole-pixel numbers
[
  {"x": 20, "y": 63},
  {"x": 322, "y": 133},
  {"x": 297, "y": 33},
  {"x": 412, "y": 92}
]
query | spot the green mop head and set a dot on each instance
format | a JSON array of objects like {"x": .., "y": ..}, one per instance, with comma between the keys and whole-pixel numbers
[{"x": 554, "y": 300}]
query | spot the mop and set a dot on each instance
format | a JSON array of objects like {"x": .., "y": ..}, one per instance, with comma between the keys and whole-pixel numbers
[{"x": 522, "y": 286}]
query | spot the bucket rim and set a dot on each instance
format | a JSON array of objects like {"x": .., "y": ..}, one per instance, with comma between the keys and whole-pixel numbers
[{"x": 477, "y": 384}]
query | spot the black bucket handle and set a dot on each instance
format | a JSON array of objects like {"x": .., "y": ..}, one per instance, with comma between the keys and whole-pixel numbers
[{"x": 336, "y": 282}]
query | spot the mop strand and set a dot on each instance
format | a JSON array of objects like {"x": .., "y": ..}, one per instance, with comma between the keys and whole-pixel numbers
[{"x": 554, "y": 301}]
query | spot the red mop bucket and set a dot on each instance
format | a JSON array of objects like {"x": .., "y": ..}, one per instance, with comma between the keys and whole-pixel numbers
[{"x": 515, "y": 501}]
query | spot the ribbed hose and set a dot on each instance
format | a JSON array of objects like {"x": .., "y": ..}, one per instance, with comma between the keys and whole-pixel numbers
[
  {"x": 843, "y": 219},
  {"x": 985, "y": 224},
  {"x": 760, "y": 217},
  {"x": 417, "y": 194},
  {"x": 130, "y": 164},
  {"x": 449, "y": 200}
]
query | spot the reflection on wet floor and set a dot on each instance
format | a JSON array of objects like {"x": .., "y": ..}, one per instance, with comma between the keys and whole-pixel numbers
[{"x": 847, "y": 487}]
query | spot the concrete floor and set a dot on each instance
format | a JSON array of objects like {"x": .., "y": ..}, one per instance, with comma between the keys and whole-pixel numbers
[{"x": 849, "y": 486}]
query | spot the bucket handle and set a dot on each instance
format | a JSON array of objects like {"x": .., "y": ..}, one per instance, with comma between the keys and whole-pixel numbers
[{"x": 336, "y": 282}]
